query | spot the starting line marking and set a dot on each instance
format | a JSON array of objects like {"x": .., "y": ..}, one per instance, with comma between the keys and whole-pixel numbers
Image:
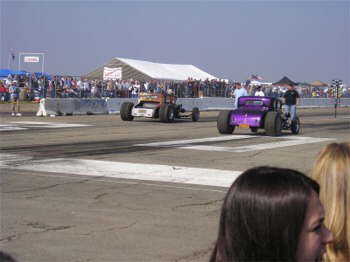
[
  {"x": 124, "y": 170},
  {"x": 186, "y": 144},
  {"x": 24, "y": 125}
]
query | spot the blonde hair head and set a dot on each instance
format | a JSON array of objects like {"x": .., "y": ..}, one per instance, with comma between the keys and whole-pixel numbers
[{"x": 332, "y": 172}]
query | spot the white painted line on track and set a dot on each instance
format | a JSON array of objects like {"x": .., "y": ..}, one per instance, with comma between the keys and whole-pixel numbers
[
  {"x": 31, "y": 123},
  {"x": 10, "y": 159},
  {"x": 24, "y": 125},
  {"x": 10, "y": 128},
  {"x": 198, "y": 140},
  {"x": 124, "y": 170},
  {"x": 48, "y": 124},
  {"x": 290, "y": 141}
]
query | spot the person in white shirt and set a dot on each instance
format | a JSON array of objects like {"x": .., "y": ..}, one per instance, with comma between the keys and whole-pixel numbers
[
  {"x": 239, "y": 91},
  {"x": 259, "y": 92}
]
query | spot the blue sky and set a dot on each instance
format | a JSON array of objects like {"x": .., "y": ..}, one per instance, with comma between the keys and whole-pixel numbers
[{"x": 304, "y": 40}]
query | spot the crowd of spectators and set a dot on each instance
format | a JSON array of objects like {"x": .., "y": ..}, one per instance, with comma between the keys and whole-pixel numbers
[{"x": 34, "y": 88}]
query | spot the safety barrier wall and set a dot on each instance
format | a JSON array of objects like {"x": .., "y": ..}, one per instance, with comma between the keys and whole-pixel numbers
[
  {"x": 114, "y": 104},
  {"x": 222, "y": 103},
  {"x": 70, "y": 106},
  {"x": 67, "y": 106}
]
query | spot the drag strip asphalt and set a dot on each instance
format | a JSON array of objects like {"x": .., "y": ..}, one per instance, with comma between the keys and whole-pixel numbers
[{"x": 100, "y": 189}]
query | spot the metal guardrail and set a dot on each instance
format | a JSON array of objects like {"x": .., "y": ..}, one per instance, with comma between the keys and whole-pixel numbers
[{"x": 59, "y": 106}]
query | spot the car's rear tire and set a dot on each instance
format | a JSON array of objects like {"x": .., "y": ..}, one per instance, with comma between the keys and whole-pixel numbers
[
  {"x": 295, "y": 126},
  {"x": 254, "y": 129},
  {"x": 195, "y": 114},
  {"x": 167, "y": 113},
  {"x": 223, "y": 122},
  {"x": 162, "y": 116},
  {"x": 273, "y": 124},
  {"x": 125, "y": 111}
]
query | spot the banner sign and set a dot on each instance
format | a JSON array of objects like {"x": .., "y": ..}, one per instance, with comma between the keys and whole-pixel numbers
[
  {"x": 31, "y": 59},
  {"x": 112, "y": 73}
]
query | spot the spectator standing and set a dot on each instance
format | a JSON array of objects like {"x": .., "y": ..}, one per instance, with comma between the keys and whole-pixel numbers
[
  {"x": 110, "y": 89},
  {"x": 130, "y": 89},
  {"x": 268, "y": 90},
  {"x": 332, "y": 171},
  {"x": 86, "y": 88},
  {"x": 274, "y": 92},
  {"x": 8, "y": 81},
  {"x": 259, "y": 92},
  {"x": 93, "y": 89},
  {"x": 135, "y": 89},
  {"x": 52, "y": 89},
  {"x": 291, "y": 98},
  {"x": 3, "y": 92},
  {"x": 239, "y": 91},
  {"x": 271, "y": 214},
  {"x": 41, "y": 87},
  {"x": 14, "y": 94}
]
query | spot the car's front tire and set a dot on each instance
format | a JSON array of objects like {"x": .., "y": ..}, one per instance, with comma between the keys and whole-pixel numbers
[
  {"x": 125, "y": 111},
  {"x": 295, "y": 126},
  {"x": 167, "y": 113},
  {"x": 195, "y": 114},
  {"x": 223, "y": 122}
]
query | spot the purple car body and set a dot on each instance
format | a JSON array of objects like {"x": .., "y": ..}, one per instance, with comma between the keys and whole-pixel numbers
[
  {"x": 251, "y": 111},
  {"x": 257, "y": 112}
]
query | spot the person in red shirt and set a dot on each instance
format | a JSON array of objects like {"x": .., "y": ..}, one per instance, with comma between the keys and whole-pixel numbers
[{"x": 4, "y": 92}]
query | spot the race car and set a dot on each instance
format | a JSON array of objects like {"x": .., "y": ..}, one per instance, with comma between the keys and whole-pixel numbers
[
  {"x": 257, "y": 112},
  {"x": 157, "y": 105}
]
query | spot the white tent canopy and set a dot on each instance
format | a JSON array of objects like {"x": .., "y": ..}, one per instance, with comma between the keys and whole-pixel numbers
[{"x": 167, "y": 71}]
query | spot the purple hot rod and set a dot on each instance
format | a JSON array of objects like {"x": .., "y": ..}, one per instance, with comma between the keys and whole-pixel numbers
[{"x": 257, "y": 112}]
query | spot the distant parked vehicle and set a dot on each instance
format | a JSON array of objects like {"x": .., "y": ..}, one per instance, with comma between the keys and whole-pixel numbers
[
  {"x": 257, "y": 112},
  {"x": 159, "y": 106}
]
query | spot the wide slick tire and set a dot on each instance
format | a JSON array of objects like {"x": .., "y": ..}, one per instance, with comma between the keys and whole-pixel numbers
[
  {"x": 195, "y": 114},
  {"x": 295, "y": 126},
  {"x": 273, "y": 124},
  {"x": 125, "y": 111},
  {"x": 223, "y": 122},
  {"x": 167, "y": 113}
]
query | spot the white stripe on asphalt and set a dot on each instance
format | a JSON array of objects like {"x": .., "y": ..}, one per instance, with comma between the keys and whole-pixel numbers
[
  {"x": 10, "y": 128},
  {"x": 152, "y": 172},
  {"x": 198, "y": 140},
  {"x": 123, "y": 170},
  {"x": 293, "y": 141},
  {"x": 24, "y": 125},
  {"x": 48, "y": 124},
  {"x": 11, "y": 159}
]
